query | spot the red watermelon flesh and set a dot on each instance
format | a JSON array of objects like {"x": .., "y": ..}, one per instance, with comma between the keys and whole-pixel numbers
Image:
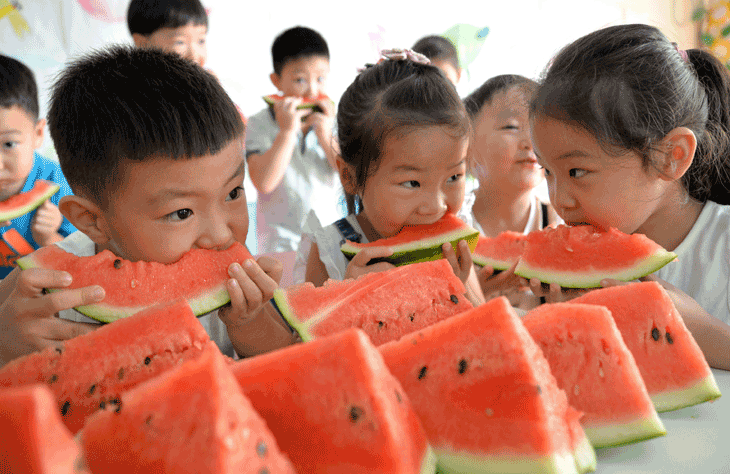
[
  {"x": 582, "y": 256},
  {"x": 22, "y": 203},
  {"x": 386, "y": 305},
  {"x": 91, "y": 371},
  {"x": 307, "y": 102},
  {"x": 199, "y": 277},
  {"x": 500, "y": 252},
  {"x": 34, "y": 439},
  {"x": 485, "y": 395},
  {"x": 192, "y": 419},
  {"x": 671, "y": 363},
  {"x": 592, "y": 364},
  {"x": 334, "y": 407}
]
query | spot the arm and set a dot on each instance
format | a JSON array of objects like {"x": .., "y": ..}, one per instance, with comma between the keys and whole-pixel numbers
[{"x": 316, "y": 273}]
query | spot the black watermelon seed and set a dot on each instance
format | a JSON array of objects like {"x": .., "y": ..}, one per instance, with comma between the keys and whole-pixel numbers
[
  {"x": 92, "y": 389},
  {"x": 454, "y": 299},
  {"x": 148, "y": 420},
  {"x": 120, "y": 374},
  {"x": 117, "y": 263},
  {"x": 539, "y": 389},
  {"x": 54, "y": 378},
  {"x": 422, "y": 372},
  {"x": 655, "y": 334},
  {"x": 119, "y": 406},
  {"x": 669, "y": 337},
  {"x": 355, "y": 413},
  {"x": 102, "y": 404},
  {"x": 147, "y": 360},
  {"x": 380, "y": 324},
  {"x": 412, "y": 316},
  {"x": 59, "y": 350},
  {"x": 261, "y": 448},
  {"x": 398, "y": 397},
  {"x": 264, "y": 470},
  {"x": 462, "y": 366},
  {"x": 65, "y": 407}
]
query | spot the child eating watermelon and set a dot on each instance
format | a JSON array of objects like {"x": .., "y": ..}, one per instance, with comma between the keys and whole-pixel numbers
[{"x": 157, "y": 169}]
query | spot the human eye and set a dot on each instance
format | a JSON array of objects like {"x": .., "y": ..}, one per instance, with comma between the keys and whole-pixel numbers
[
  {"x": 9, "y": 145},
  {"x": 577, "y": 172},
  {"x": 179, "y": 215},
  {"x": 454, "y": 178},
  {"x": 411, "y": 184},
  {"x": 547, "y": 171},
  {"x": 236, "y": 193}
]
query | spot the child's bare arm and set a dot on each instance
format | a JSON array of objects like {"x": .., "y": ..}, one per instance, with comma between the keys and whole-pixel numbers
[
  {"x": 45, "y": 225},
  {"x": 28, "y": 321},
  {"x": 315, "y": 272}
]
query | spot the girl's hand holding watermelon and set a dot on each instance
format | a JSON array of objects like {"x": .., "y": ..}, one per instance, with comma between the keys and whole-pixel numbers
[
  {"x": 463, "y": 267},
  {"x": 359, "y": 263},
  {"x": 28, "y": 321}
]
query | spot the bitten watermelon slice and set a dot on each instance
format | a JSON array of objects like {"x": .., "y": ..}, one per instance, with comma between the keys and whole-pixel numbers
[
  {"x": 199, "y": 277},
  {"x": 582, "y": 256},
  {"x": 419, "y": 243},
  {"x": 34, "y": 439},
  {"x": 307, "y": 102},
  {"x": 23, "y": 203},
  {"x": 91, "y": 371},
  {"x": 592, "y": 364},
  {"x": 192, "y": 419},
  {"x": 500, "y": 252},
  {"x": 671, "y": 363},
  {"x": 386, "y": 305},
  {"x": 334, "y": 407},
  {"x": 485, "y": 395}
]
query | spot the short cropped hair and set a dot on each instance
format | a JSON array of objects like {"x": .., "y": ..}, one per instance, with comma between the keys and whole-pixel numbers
[
  {"x": 123, "y": 104},
  {"x": 18, "y": 86},
  {"x": 295, "y": 43},
  {"x": 438, "y": 48},
  {"x": 147, "y": 16}
]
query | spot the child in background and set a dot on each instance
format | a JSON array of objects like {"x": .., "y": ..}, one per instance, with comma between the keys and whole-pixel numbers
[
  {"x": 291, "y": 152},
  {"x": 442, "y": 54},
  {"x": 505, "y": 166},
  {"x": 403, "y": 134},
  {"x": 633, "y": 134},
  {"x": 157, "y": 170},
  {"x": 21, "y": 133}
]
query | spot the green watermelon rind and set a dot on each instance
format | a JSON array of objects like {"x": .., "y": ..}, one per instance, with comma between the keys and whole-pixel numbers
[
  {"x": 495, "y": 264},
  {"x": 40, "y": 199},
  {"x": 592, "y": 279},
  {"x": 620, "y": 434},
  {"x": 288, "y": 314},
  {"x": 424, "y": 250},
  {"x": 703, "y": 391},
  {"x": 430, "y": 461},
  {"x": 308, "y": 105}
]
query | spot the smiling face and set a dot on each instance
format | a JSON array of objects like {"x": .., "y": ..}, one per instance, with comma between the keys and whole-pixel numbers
[
  {"x": 303, "y": 77},
  {"x": 20, "y": 135},
  {"x": 419, "y": 179},
  {"x": 502, "y": 149},
  {"x": 187, "y": 41},
  {"x": 587, "y": 185},
  {"x": 165, "y": 207}
]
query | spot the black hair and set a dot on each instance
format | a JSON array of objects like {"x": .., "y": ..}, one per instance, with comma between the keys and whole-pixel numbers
[
  {"x": 124, "y": 104},
  {"x": 438, "y": 48},
  {"x": 486, "y": 92},
  {"x": 295, "y": 43},
  {"x": 18, "y": 86},
  {"x": 393, "y": 95},
  {"x": 629, "y": 86},
  {"x": 147, "y": 16}
]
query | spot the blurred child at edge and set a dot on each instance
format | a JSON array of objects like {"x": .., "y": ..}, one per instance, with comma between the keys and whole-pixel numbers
[{"x": 442, "y": 54}]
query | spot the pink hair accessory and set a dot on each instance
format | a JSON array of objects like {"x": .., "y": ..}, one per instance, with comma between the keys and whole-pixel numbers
[
  {"x": 682, "y": 53},
  {"x": 399, "y": 54}
]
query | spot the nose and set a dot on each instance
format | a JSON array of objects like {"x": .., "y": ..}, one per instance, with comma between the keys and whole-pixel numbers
[
  {"x": 560, "y": 196},
  {"x": 434, "y": 204},
  {"x": 216, "y": 234},
  {"x": 198, "y": 54}
]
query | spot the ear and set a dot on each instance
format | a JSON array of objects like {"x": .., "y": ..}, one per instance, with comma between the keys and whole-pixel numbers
[
  {"x": 140, "y": 40},
  {"x": 680, "y": 145},
  {"x": 40, "y": 126},
  {"x": 347, "y": 176},
  {"x": 459, "y": 71},
  {"x": 276, "y": 80},
  {"x": 86, "y": 217}
]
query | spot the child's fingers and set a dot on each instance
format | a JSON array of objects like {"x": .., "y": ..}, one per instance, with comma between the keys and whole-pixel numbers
[
  {"x": 33, "y": 281},
  {"x": 56, "y": 329},
  {"x": 271, "y": 267},
  {"x": 57, "y": 301},
  {"x": 362, "y": 258},
  {"x": 464, "y": 257},
  {"x": 451, "y": 257}
]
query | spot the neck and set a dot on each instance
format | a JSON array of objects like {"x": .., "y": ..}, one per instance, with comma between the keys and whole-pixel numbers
[
  {"x": 673, "y": 221},
  {"x": 505, "y": 209}
]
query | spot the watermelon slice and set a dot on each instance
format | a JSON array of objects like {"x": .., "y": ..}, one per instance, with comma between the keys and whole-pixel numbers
[
  {"x": 34, "y": 440},
  {"x": 500, "y": 252},
  {"x": 23, "y": 203},
  {"x": 386, "y": 305},
  {"x": 92, "y": 370},
  {"x": 307, "y": 102},
  {"x": 582, "y": 256},
  {"x": 592, "y": 364},
  {"x": 419, "y": 243},
  {"x": 334, "y": 407},
  {"x": 192, "y": 419},
  {"x": 199, "y": 276},
  {"x": 671, "y": 363},
  {"x": 485, "y": 395}
]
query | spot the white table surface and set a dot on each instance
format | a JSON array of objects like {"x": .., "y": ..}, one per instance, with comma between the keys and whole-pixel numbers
[{"x": 697, "y": 441}]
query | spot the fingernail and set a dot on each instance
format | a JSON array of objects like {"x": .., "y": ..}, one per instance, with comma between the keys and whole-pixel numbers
[
  {"x": 97, "y": 293},
  {"x": 248, "y": 263},
  {"x": 66, "y": 279},
  {"x": 233, "y": 269}
]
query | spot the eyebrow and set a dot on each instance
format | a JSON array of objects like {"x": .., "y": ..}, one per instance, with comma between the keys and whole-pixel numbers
[
  {"x": 572, "y": 154},
  {"x": 12, "y": 131},
  {"x": 415, "y": 168},
  {"x": 173, "y": 193}
]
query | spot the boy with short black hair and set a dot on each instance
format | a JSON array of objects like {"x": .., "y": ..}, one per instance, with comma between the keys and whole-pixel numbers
[
  {"x": 442, "y": 54},
  {"x": 158, "y": 171},
  {"x": 21, "y": 133},
  {"x": 293, "y": 169}
]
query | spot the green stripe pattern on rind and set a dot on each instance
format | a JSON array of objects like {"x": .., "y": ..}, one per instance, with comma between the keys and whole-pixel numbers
[
  {"x": 495, "y": 264},
  {"x": 21, "y": 211},
  {"x": 618, "y": 434},
  {"x": 703, "y": 391},
  {"x": 593, "y": 278},
  {"x": 287, "y": 313},
  {"x": 423, "y": 250},
  {"x": 428, "y": 466}
]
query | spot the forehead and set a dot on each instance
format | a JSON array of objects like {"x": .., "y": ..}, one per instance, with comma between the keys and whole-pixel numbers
[
  {"x": 191, "y": 29},
  {"x": 15, "y": 118},
  {"x": 506, "y": 103},
  {"x": 424, "y": 147},
  {"x": 306, "y": 64}
]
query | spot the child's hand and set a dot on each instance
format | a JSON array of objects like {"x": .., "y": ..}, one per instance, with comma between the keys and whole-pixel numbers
[
  {"x": 502, "y": 283},
  {"x": 554, "y": 293},
  {"x": 28, "y": 321},
  {"x": 462, "y": 263},
  {"x": 322, "y": 122},
  {"x": 359, "y": 263},
  {"x": 45, "y": 224},
  {"x": 287, "y": 115}
]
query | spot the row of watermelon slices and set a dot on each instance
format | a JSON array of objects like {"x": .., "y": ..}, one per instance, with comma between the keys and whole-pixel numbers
[{"x": 482, "y": 390}]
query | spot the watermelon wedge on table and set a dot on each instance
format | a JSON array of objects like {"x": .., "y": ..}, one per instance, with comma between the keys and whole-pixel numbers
[
  {"x": 334, "y": 407},
  {"x": 582, "y": 256},
  {"x": 22, "y": 203},
  {"x": 34, "y": 439},
  {"x": 592, "y": 364},
  {"x": 500, "y": 252},
  {"x": 419, "y": 243},
  {"x": 671, "y": 363},
  {"x": 199, "y": 277},
  {"x": 91, "y": 371},
  {"x": 386, "y": 305},
  {"x": 192, "y": 419},
  {"x": 485, "y": 395}
]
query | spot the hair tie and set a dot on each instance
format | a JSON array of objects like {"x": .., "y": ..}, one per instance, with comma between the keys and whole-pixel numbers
[
  {"x": 682, "y": 53},
  {"x": 399, "y": 54}
]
